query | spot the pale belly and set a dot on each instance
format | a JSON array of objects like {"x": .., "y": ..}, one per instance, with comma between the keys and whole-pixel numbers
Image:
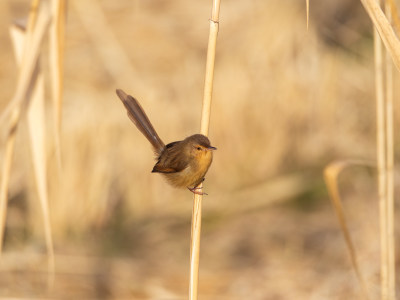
[{"x": 190, "y": 176}]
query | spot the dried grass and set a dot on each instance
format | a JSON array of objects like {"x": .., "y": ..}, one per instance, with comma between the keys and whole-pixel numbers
[{"x": 288, "y": 101}]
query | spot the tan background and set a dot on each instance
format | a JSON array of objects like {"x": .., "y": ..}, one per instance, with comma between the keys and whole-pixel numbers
[{"x": 286, "y": 102}]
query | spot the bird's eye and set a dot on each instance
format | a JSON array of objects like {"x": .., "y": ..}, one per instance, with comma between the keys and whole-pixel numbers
[{"x": 199, "y": 148}]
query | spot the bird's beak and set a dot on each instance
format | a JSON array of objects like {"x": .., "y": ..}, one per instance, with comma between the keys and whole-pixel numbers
[{"x": 211, "y": 148}]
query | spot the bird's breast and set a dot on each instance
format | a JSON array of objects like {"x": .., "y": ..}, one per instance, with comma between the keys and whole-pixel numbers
[{"x": 193, "y": 174}]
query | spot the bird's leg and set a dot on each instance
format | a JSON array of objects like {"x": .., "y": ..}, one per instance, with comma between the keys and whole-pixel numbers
[{"x": 194, "y": 190}]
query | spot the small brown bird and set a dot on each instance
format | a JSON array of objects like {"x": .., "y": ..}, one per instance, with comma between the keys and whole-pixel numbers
[{"x": 183, "y": 163}]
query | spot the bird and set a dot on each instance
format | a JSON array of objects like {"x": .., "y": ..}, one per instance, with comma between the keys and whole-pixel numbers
[{"x": 183, "y": 163}]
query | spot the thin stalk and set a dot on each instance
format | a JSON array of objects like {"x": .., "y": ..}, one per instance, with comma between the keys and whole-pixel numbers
[
  {"x": 56, "y": 55},
  {"x": 208, "y": 85},
  {"x": 389, "y": 167},
  {"x": 308, "y": 11},
  {"x": 204, "y": 126},
  {"x": 381, "y": 162}
]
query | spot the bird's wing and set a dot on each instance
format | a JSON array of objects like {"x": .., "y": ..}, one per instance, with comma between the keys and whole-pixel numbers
[{"x": 172, "y": 160}]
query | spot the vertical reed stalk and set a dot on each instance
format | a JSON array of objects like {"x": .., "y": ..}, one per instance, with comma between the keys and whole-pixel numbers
[
  {"x": 205, "y": 121},
  {"x": 308, "y": 11},
  {"x": 384, "y": 98},
  {"x": 389, "y": 167},
  {"x": 56, "y": 55},
  {"x": 381, "y": 161}
]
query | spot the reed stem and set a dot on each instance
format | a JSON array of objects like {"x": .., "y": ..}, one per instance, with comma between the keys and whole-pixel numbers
[
  {"x": 204, "y": 126},
  {"x": 389, "y": 167}
]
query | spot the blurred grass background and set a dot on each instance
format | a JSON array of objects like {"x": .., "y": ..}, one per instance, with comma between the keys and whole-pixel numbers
[{"x": 286, "y": 102}]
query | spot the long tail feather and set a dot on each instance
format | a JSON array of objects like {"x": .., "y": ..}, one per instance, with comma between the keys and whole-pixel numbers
[{"x": 140, "y": 119}]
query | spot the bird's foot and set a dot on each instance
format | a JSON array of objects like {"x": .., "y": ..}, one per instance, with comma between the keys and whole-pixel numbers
[{"x": 195, "y": 190}]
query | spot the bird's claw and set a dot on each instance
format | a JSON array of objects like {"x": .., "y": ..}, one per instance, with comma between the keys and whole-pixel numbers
[{"x": 194, "y": 190}]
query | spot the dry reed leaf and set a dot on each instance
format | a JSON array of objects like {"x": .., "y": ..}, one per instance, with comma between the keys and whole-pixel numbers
[
  {"x": 331, "y": 173},
  {"x": 34, "y": 39},
  {"x": 394, "y": 15},
  {"x": 13, "y": 110},
  {"x": 384, "y": 28},
  {"x": 37, "y": 132}
]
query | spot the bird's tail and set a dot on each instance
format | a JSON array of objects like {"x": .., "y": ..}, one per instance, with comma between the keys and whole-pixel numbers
[{"x": 142, "y": 122}]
